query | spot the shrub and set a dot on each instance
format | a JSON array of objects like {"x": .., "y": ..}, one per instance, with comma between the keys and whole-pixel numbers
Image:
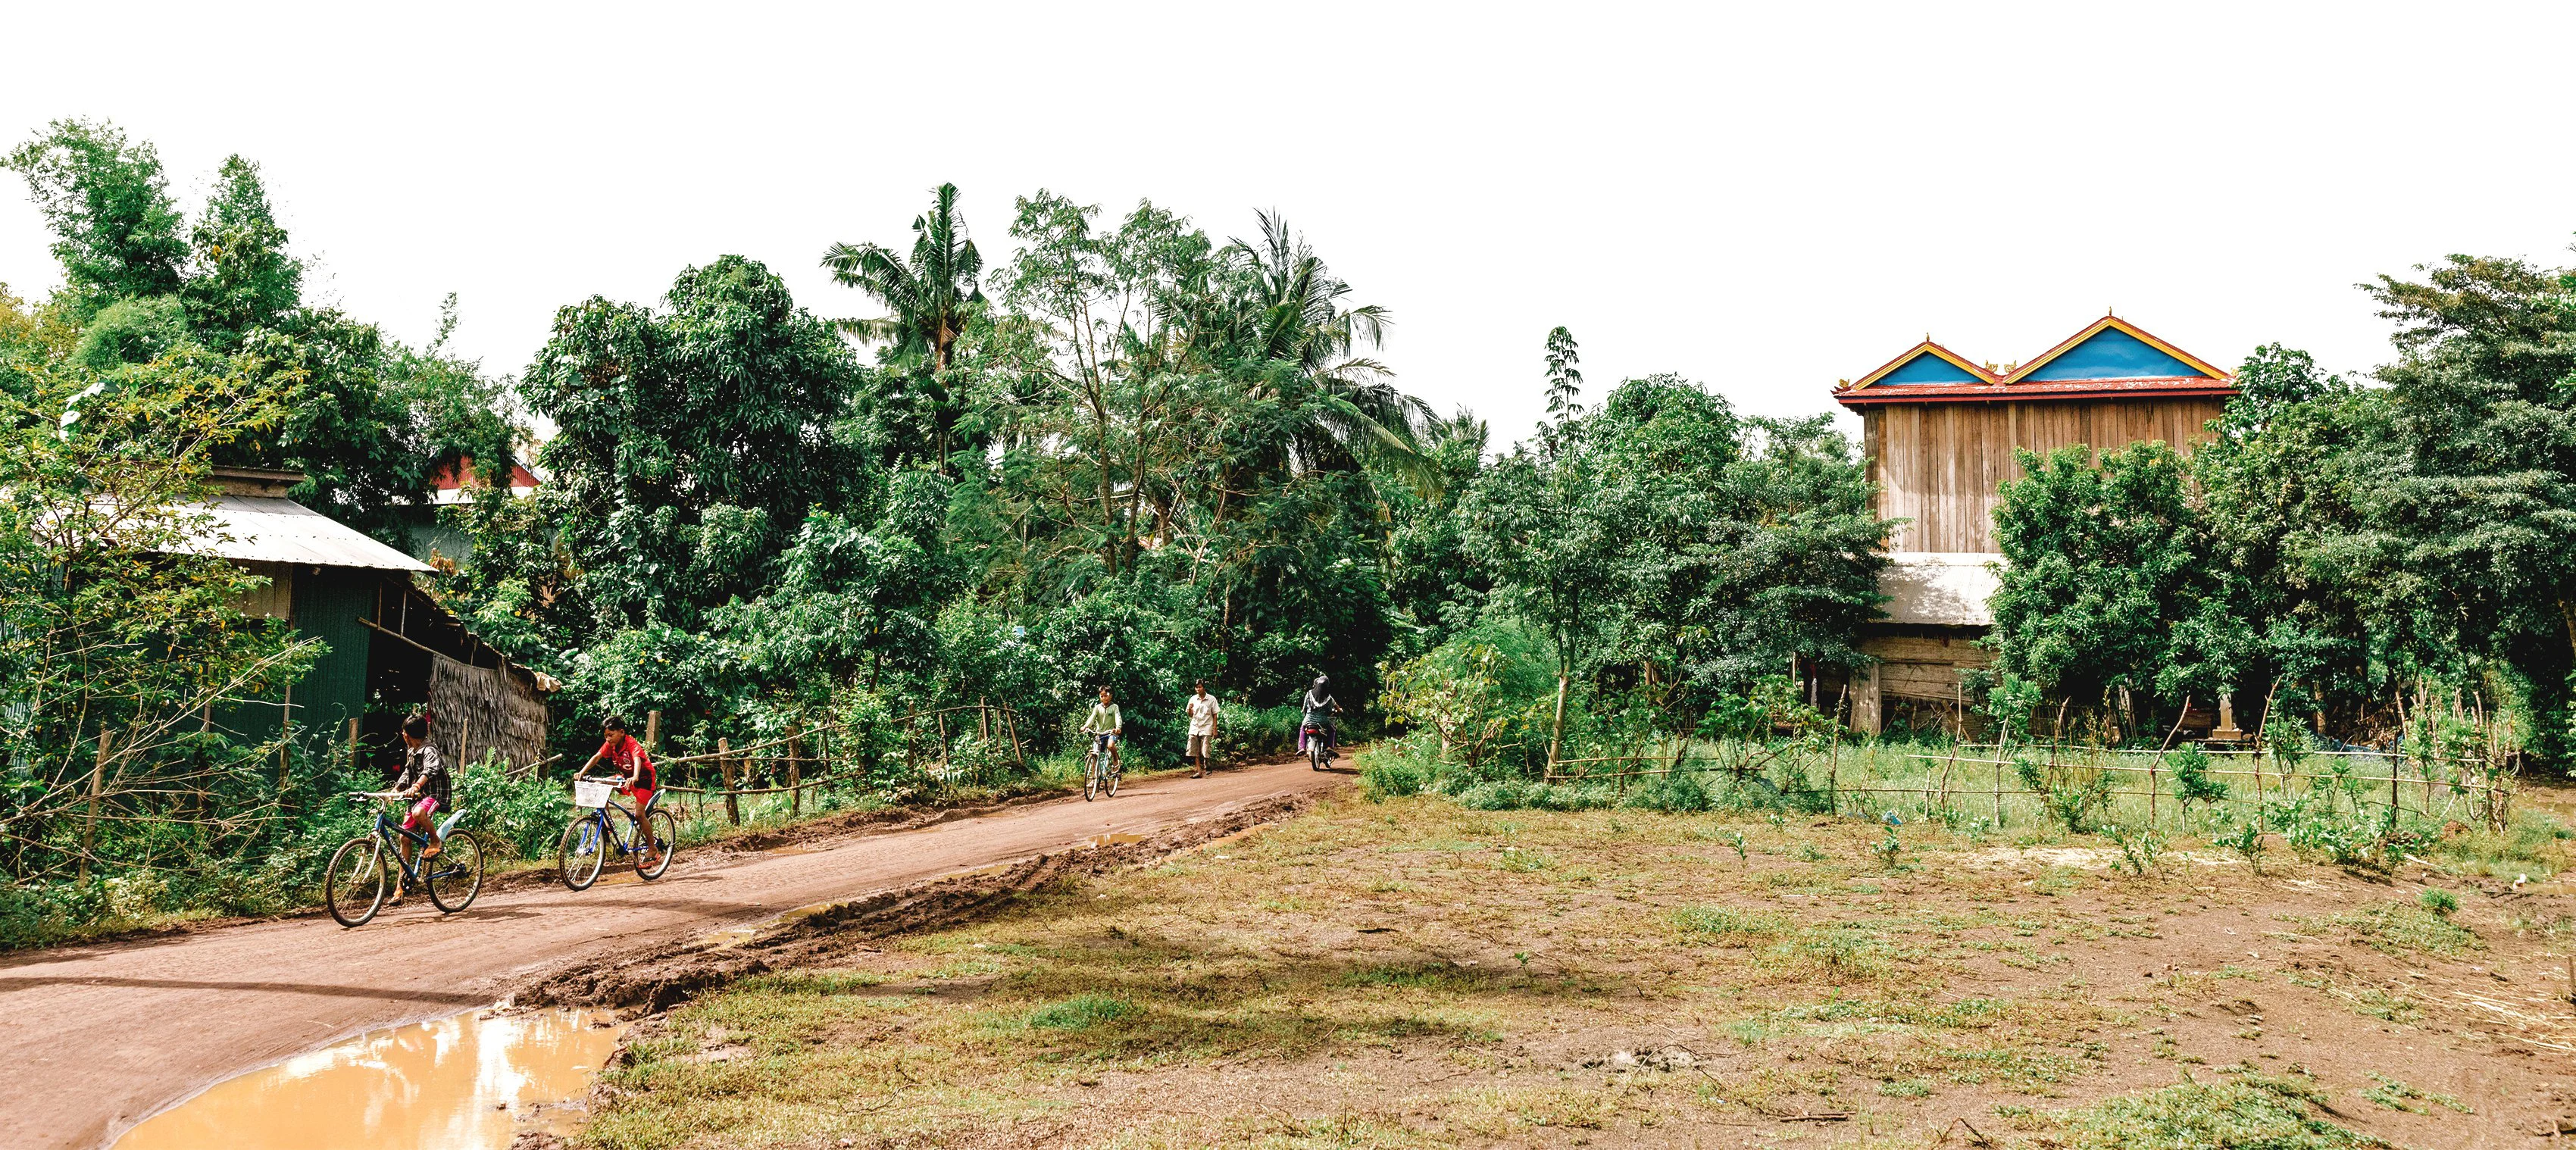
[
  {"x": 2440, "y": 902},
  {"x": 522, "y": 816},
  {"x": 2142, "y": 848},
  {"x": 1388, "y": 772},
  {"x": 2075, "y": 796}
]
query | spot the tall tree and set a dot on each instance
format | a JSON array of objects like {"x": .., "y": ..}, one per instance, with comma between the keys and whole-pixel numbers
[
  {"x": 240, "y": 276},
  {"x": 934, "y": 294},
  {"x": 115, "y": 228},
  {"x": 1564, "y": 387}
]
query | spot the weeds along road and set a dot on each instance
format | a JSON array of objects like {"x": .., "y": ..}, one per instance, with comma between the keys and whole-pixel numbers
[{"x": 97, "y": 1038}]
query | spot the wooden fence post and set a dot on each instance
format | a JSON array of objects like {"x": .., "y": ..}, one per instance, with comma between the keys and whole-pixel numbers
[
  {"x": 724, "y": 771},
  {"x": 795, "y": 771},
  {"x": 941, "y": 716},
  {"x": 89, "y": 830},
  {"x": 1556, "y": 735},
  {"x": 652, "y": 732},
  {"x": 357, "y": 750},
  {"x": 1011, "y": 723}
]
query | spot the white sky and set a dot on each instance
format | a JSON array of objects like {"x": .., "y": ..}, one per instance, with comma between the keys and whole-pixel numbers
[{"x": 1766, "y": 198}]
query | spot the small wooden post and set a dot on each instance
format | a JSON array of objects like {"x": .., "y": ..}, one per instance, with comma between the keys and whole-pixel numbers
[
  {"x": 795, "y": 770},
  {"x": 357, "y": 750},
  {"x": 1011, "y": 723},
  {"x": 984, "y": 719},
  {"x": 724, "y": 770},
  {"x": 89, "y": 829},
  {"x": 1999, "y": 788},
  {"x": 652, "y": 731},
  {"x": 285, "y": 733},
  {"x": 1556, "y": 736},
  {"x": 941, "y": 717}
]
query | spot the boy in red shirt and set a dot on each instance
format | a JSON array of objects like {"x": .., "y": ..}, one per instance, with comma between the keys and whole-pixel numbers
[{"x": 628, "y": 755}]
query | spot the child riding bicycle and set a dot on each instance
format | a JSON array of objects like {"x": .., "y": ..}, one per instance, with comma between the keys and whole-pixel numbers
[
  {"x": 626, "y": 754},
  {"x": 1104, "y": 725},
  {"x": 424, "y": 784}
]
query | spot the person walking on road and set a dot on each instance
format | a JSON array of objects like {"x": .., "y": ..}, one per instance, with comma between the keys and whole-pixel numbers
[
  {"x": 1104, "y": 725},
  {"x": 1203, "y": 709}
]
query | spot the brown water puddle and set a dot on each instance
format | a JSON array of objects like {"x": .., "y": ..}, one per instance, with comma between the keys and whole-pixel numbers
[
  {"x": 1113, "y": 840},
  {"x": 470, "y": 1082}
]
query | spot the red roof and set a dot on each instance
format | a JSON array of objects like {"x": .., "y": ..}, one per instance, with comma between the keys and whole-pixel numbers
[{"x": 448, "y": 477}]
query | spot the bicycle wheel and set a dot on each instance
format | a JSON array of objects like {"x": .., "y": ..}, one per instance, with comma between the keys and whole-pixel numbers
[
  {"x": 1114, "y": 772},
  {"x": 1091, "y": 777},
  {"x": 666, "y": 838},
  {"x": 581, "y": 852},
  {"x": 354, "y": 886},
  {"x": 456, "y": 875}
]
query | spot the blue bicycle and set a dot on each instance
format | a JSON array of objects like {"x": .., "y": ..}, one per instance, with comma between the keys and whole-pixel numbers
[
  {"x": 604, "y": 828},
  {"x": 354, "y": 886}
]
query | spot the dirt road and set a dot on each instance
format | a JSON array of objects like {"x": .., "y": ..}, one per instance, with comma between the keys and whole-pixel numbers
[{"x": 94, "y": 1039}]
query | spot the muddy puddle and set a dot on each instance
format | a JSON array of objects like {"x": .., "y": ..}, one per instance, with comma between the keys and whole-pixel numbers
[
  {"x": 1112, "y": 840},
  {"x": 470, "y": 1082}
]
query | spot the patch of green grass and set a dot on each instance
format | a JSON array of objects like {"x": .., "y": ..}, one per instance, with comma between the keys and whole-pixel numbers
[
  {"x": 1081, "y": 1013},
  {"x": 2396, "y": 1095},
  {"x": 2399, "y": 929},
  {"x": 2253, "y": 1110},
  {"x": 1723, "y": 927}
]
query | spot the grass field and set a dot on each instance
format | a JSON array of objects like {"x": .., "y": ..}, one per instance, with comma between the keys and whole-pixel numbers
[{"x": 1413, "y": 972}]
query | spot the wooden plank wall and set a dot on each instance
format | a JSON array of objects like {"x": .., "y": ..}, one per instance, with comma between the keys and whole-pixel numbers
[{"x": 1940, "y": 464}]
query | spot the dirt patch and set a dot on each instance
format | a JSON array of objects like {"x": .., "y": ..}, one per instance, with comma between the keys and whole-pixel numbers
[
  {"x": 818, "y": 935},
  {"x": 1414, "y": 974}
]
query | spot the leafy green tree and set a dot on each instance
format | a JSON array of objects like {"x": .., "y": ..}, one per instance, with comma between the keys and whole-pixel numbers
[
  {"x": 116, "y": 637},
  {"x": 1564, "y": 387},
  {"x": 116, "y": 231},
  {"x": 2106, "y": 587},
  {"x": 240, "y": 275},
  {"x": 691, "y": 441},
  {"x": 934, "y": 295}
]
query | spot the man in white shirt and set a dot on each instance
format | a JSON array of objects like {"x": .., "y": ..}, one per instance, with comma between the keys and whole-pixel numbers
[{"x": 1203, "y": 707}]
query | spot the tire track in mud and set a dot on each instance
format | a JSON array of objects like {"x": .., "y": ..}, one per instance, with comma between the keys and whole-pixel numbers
[{"x": 658, "y": 981}]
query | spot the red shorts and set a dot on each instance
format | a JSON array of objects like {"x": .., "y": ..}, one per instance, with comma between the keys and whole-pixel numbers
[
  {"x": 421, "y": 814},
  {"x": 641, "y": 796}
]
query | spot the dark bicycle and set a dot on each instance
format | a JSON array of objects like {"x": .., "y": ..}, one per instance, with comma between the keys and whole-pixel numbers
[
  {"x": 354, "y": 886},
  {"x": 604, "y": 828}
]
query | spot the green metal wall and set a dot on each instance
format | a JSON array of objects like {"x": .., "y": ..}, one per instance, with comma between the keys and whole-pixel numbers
[{"x": 328, "y": 604}]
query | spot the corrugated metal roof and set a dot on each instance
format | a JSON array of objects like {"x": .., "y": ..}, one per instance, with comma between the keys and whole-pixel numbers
[
  {"x": 272, "y": 530},
  {"x": 1946, "y": 588}
]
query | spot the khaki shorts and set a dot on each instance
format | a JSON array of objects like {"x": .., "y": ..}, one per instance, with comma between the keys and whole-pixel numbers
[{"x": 1199, "y": 746}]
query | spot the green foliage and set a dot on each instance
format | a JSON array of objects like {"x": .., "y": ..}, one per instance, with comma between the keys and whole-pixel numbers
[
  {"x": 2440, "y": 902},
  {"x": 2076, "y": 796},
  {"x": 2142, "y": 847},
  {"x": 2191, "y": 778},
  {"x": 116, "y": 231},
  {"x": 523, "y": 816},
  {"x": 1081, "y": 1013},
  {"x": 131, "y": 331},
  {"x": 2105, "y": 587},
  {"x": 2248, "y": 1110}
]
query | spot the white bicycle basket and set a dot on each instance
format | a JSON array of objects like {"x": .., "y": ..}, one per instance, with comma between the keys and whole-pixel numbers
[{"x": 589, "y": 794}]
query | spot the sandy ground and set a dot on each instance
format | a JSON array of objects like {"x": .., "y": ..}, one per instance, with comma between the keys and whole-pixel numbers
[{"x": 97, "y": 1038}]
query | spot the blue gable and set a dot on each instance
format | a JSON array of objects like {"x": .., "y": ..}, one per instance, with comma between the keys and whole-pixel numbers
[
  {"x": 2110, "y": 354},
  {"x": 1926, "y": 367}
]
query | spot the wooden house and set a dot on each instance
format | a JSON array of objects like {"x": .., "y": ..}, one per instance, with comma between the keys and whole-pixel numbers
[
  {"x": 393, "y": 650},
  {"x": 1940, "y": 431}
]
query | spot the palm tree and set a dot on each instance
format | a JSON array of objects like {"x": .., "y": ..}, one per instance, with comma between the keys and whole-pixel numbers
[
  {"x": 1291, "y": 313},
  {"x": 931, "y": 294}
]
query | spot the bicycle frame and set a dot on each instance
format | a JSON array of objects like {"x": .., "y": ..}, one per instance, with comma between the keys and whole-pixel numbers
[
  {"x": 387, "y": 829},
  {"x": 608, "y": 830}
]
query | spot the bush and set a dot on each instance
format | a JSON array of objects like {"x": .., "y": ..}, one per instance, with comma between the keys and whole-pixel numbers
[
  {"x": 1683, "y": 791},
  {"x": 1388, "y": 772},
  {"x": 523, "y": 817}
]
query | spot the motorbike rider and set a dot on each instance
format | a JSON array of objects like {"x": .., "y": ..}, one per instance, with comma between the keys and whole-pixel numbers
[{"x": 1320, "y": 707}]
